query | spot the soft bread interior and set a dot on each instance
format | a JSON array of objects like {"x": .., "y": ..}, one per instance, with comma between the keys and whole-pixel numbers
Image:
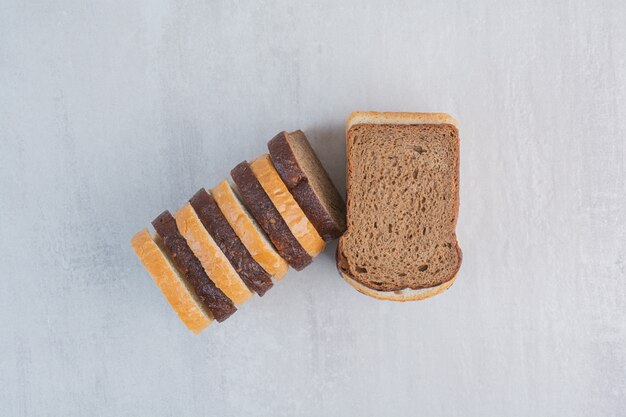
[
  {"x": 248, "y": 231},
  {"x": 302, "y": 229},
  {"x": 213, "y": 260},
  {"x": 399, "y": 118},
  {"x": 183, "y": 300}
]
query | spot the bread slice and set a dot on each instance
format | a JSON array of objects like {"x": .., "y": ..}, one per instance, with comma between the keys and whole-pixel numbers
[
  {"x": 213, "y": 260},
  {"x": 275, "y": 188},
  {"x": 402, "y": 182},
  {"x": 214, "y": 221},
  {"x": 212, "y": 299},
  {"x": 268, "y": 217},
  {"x": 249, "y": 231},
  {"x": 169, "y": 281},
  {"x": 309, "y": 183}
]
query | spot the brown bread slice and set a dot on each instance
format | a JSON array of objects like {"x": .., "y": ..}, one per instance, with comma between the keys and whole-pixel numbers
[
  {"x": 402, "y": 182},
  {"x": 309, "y": 183},
  {"x": 211, "y": 298},
  {"x": 268, "y": 217},
  {"x": 216, "y": 224},
  {"x": 299, "y": 224}
]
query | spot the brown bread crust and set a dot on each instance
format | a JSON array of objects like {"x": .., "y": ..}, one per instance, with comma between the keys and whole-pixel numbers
[
  {"x": 297, "y": 182},
  {"x": 211, "y": 297},
  {"x": 216, "y": 224},
  {"x": 268, "y": 217}
]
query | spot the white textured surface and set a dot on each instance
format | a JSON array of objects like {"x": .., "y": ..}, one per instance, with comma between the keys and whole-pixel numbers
[{"x": 111, "y": 111}]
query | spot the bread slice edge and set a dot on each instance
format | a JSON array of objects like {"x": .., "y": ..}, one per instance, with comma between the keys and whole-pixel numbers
[
  {"x": 166, "y": 276},
  {"x": 407, "y": 294},
  {"x": 398, "y": 118}
]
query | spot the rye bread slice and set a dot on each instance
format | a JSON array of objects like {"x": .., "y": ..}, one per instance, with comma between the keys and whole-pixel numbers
[
  {"x": 309, "y": 183},
  {"x": 402, "y": 183},
  {"x": 212, "y": 298},
  {"x": 216, "y": 224},
  {"x": 268, "y": 217}
]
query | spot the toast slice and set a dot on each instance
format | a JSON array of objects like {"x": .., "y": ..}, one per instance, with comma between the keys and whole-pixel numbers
[
  {"x": 212, "y": 299},
  {"x": 309, "y": 183},
  {"x": 214, "y": 221},
  {"x": 249, "y": 231},
  {"x": 213, "y": 260},
  {"x": 268, "y": 217},
  {"x": 402, "y": 183},
  {"x": 290, "y": 211},
  {"x": 170, "y": 282}
]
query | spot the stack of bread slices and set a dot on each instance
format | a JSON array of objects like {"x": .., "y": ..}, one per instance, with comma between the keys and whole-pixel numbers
[{"x": 233, "y": 240}]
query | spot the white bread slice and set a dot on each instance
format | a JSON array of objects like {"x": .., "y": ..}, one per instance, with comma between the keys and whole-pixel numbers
[
  {"x": 395, "y": 118},
  {"x": 213, "y": 260},
  {"x": 302, "y": 229},
  {"x": 249, "y": 231},
  {"x": 169, "y": 281}
]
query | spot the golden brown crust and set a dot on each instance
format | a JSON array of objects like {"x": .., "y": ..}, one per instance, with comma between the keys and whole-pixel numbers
[
  {"x": 398, "y": 118},
  {"x": 259, "y": 247},
  {"x": 302, "y": 229},
  {"x": 267, "y": 216},
  {"x": 255, "y": 277},
  {"x": 212, "y": 298},
  {"x": 171, "y": 284},
  {"x": 213, "y": 260}
]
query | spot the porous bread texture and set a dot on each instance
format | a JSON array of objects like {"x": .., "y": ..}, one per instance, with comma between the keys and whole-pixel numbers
[{"x": 402, "y": 203}]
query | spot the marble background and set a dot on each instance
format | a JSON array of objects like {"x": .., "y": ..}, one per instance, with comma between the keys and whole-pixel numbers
[{"x": 112, "y": 111}]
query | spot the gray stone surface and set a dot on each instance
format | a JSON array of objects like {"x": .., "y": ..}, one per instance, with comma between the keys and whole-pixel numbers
[{"x": 112, "y": 111}]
